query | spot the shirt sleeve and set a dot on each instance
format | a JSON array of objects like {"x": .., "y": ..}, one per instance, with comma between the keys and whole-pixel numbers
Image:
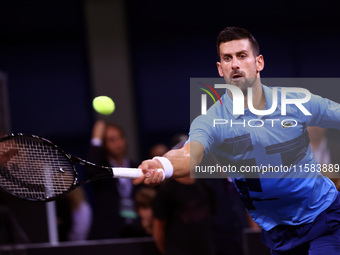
[
  {"x": 202, "y": 131},
  {"x": 325, "y": 113}
]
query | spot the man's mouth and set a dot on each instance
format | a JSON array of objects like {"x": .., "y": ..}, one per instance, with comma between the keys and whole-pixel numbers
[{"x": 236, "y": 76}]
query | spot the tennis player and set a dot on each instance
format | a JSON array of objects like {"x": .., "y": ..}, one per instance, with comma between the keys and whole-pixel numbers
[{"x": 297, "y": 215}]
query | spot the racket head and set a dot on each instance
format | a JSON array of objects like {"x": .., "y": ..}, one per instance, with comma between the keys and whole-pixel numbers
[{"x": 34, "y": 168}]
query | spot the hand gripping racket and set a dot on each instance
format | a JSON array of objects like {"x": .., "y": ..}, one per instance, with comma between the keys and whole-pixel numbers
[{"x": 33, "y": 168}]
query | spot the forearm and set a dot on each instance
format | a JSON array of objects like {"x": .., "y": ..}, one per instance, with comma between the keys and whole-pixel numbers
[{"x": 185, "y": 159}]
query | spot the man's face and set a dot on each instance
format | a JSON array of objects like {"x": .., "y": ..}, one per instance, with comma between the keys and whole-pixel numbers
[
  {"x": 115, "y": 143},
  {"x": 238, "y": 65}
]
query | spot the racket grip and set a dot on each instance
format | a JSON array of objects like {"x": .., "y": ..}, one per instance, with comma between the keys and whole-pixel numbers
[{"x": 131, "y": 173}]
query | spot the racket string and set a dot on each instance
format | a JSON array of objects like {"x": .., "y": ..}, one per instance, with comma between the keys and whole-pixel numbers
[{"x": 34, "y": 169}]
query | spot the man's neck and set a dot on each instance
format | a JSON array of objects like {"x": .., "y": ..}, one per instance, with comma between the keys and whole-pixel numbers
[{"x": 259, "y": 99}]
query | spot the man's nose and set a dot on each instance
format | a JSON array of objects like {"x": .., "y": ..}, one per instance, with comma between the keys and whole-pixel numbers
[{"x": 235, "y": 64}]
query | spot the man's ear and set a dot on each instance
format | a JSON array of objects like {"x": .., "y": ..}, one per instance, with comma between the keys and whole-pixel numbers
[
  {"x": 259, "y": 63},
  {"x": 219, "y": 69}
]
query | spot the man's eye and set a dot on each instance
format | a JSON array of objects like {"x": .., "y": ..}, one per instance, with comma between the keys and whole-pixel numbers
[
  {"x": 227, "y": 58},
  {"x": 243, "y": 56}
]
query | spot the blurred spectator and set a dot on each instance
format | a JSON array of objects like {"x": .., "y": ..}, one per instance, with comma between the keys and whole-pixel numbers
[
  {"x": 230, "y": 217},
  {"x": 183, "y": 211},
  {"x": 158, "y": 150},
  {"x": 114, "y": 210},
  {"x": 74, "y": 216},
  {"x": 143, "y": 200},
  {"x": 142, "y": 227},
  {"x": 325, "y": 151},
  {"x": 81, "y": 215}
]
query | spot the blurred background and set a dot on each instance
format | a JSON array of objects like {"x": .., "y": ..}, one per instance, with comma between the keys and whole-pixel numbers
[{"x": 56, "y": 56}]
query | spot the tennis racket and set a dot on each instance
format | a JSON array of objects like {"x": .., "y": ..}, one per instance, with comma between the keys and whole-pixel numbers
[{"x": 34, "y": 168}]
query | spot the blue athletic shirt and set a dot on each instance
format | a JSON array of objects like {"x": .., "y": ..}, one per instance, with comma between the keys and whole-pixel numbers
[{"x": 285, "y": 199}]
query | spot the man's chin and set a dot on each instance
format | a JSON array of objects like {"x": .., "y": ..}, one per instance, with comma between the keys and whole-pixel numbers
[
  {"x": 235, "y": 81},
  {"x": 239, "y": 82},
  {"x": 243, "y": 83}
]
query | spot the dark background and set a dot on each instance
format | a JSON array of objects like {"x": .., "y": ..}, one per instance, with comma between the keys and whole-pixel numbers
[{"x": 43, "y": 50}]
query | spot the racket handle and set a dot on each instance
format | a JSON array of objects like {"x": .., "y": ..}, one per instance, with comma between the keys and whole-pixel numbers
[{"x": 131, "y": 173}]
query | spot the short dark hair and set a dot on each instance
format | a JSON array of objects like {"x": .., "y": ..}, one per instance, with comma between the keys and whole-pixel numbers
[{"x": 237, "y": 33}]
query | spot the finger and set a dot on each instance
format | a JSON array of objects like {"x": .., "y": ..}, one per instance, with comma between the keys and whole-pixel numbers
[
  {"x": 144, "y": 166},
  {"x": 138, "y": 180},
  {"x": 160, "y": 176},
  {"x": 147, "y": 180},
  {"x": 141, "y": 178},
  {"x": 155, "y": 178}
]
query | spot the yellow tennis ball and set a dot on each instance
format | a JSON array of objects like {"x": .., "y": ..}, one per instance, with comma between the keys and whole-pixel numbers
[{"x": 103, "y": 105}]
